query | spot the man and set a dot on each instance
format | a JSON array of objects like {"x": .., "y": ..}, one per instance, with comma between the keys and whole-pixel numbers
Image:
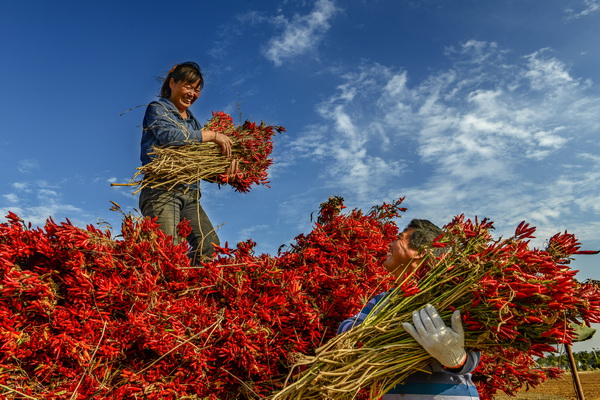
[{"x": 448, "y": 376}]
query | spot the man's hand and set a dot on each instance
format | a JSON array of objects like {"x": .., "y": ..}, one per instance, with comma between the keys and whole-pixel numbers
[{"x": 447, "y": 345}]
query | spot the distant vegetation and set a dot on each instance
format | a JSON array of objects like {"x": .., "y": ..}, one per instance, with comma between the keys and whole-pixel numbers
[{"x": 585, "y": 360}]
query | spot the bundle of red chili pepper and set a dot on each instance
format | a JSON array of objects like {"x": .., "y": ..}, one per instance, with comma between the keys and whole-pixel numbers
[
  {"x": 513, "y": 298},
  {"x": 85, "y": 314},
  {"x": 252, "y": 147},
  {"x": 178, "y": 166}
]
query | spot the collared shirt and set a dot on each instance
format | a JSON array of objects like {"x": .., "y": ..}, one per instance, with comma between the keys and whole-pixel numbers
[
  {"x": 164, "y": 126},
  {"x": 438, "y": 383}
]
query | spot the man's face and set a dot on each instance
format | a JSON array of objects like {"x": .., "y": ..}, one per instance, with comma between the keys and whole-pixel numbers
[{"x": 400, "y": 255}]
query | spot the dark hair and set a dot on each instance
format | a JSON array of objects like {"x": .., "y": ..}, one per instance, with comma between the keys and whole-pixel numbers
[
  {"x": 188, "y": 72},
  {"x": 424, "y": 233}
]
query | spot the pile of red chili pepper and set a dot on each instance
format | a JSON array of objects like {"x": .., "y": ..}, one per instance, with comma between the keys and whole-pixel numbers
[
  {"x": 536, "y": 295},
  {"x": 252, "y": 147},
  {"x": 86, "y": 314}
]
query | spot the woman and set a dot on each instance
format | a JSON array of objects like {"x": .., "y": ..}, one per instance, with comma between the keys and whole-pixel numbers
[{"x": 169, "y": 122}]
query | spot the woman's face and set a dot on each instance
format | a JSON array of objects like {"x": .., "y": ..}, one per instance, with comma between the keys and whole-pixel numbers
[{"x": 184, "y": 94}]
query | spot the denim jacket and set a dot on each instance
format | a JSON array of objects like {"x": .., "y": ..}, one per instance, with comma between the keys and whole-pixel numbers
[{"x": 164, "y": 126}]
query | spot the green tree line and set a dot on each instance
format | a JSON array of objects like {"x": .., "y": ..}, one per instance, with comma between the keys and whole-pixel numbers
[{"x": 584, "y": 360}]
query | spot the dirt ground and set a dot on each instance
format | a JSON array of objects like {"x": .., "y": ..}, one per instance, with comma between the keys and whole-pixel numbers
[{"x": 562, "y": 389}]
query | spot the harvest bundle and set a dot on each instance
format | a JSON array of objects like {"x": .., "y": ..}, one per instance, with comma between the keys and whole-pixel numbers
[
  {"x": 510, "y": 296},
  {"x": 179, "y": 166}
]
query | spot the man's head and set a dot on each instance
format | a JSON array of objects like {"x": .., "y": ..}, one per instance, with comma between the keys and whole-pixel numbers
[
  {"x": 424, "y": 233},
  {"x": 405, "y": 252}
]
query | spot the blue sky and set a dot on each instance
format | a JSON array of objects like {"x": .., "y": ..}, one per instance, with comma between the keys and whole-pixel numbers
[{"x": 485, "y": 108}]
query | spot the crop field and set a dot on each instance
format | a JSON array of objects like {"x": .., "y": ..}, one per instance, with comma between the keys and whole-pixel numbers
[{"x": 562, "y": 389}]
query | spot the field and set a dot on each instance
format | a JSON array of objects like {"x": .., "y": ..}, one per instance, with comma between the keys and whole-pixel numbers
[{"x": 562, "y": 389}]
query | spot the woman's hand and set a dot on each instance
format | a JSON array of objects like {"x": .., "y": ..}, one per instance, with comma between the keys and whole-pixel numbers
[
  {"x": 222, "y": 140},
  {"x": 233, "y": 169},
  {"x": 225, "y": 143}
]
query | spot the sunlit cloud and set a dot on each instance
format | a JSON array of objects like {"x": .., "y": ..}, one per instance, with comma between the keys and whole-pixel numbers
[
  {"x": 35, "y": 202},
  {"x": 301, "y": 34},
  {"x": 39, "y": 213},
  {"x": 11, "y": 198},
  {"x": 24, "y": 186},
  {"x": 587, "y": 7},
  {"x": 497, "y": 134},
  {"x": 27, "y": 166}
]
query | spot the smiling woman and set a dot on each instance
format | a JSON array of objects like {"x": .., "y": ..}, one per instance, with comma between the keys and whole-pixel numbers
[
  {"x": 183, "y": 86},
  {"x": 169, "y": 122},
  {"x": 184, "y": 95}
]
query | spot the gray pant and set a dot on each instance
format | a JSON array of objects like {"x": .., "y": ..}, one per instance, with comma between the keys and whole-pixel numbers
[{"x": 171, "y": 207}]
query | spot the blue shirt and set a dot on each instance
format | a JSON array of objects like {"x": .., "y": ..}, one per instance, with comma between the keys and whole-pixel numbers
[
  {"x": 164, "y": 126},
  {"x": 438, "y": 383}
]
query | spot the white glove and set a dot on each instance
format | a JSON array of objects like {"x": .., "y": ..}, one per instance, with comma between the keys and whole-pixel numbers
[{"x": 442, "y": 343}]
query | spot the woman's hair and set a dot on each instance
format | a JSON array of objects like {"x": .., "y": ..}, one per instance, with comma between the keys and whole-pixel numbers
[{"x": 188, "y": 72}]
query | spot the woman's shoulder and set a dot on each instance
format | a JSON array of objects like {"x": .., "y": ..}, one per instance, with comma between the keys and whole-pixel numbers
[
  {"x": 160, "y": 106},
  {"x": 161, "y": 102}
]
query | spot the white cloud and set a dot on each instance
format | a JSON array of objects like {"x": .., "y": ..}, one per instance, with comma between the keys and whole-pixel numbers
[
  {"x": 475, "y": 52},
  {"x": 27, "y": 166},
  {"x": 21, "y": 186},
  {"x": 349, "y": 141},
  {"x": 35, "y": 202},
  {"x": 496, "y": 135},
  {"x": 11, "y": 197},
  {"x": 46, "y": 193},
  {"x": 301, "y": 34},
  {"x": 546, "y": 73},
  {"x": 588, "y": 7},
  {"x": 251, "y": 231},
  {"x": 37, "y": 215}
]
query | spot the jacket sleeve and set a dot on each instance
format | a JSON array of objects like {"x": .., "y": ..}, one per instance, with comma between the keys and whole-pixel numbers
[
  {"x": 360, "y": 317},
  {"x": 168, "y": 128},
  {"x": 469, "y": 366}
]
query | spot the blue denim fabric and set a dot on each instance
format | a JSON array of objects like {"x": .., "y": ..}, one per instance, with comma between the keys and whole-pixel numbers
[{"x": 164, "y": 126}]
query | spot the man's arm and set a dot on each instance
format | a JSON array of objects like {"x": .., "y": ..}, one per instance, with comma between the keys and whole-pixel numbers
[
  {"x": 360, "y": 317},
  {"x": 469, "y": 366}
]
